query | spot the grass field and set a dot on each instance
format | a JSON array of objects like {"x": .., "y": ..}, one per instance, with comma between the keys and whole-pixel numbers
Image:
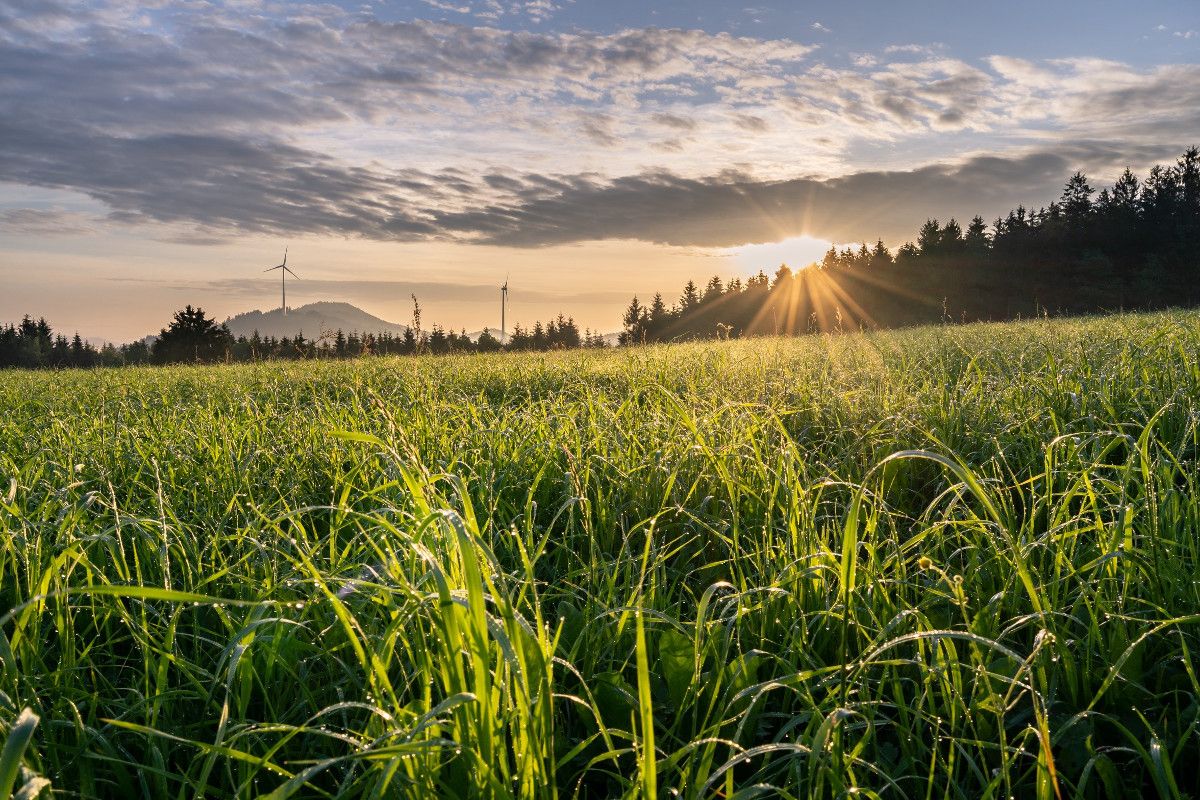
[{"x": 952, "y": 562}]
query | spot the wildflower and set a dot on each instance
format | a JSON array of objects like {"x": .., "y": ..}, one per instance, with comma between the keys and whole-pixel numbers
[{"x": 925, "y": 562}]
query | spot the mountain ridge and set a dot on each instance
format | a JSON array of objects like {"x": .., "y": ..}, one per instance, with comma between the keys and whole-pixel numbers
[
  {"x": 310, "y": 320},
  {"x": 313, "y": 319}
]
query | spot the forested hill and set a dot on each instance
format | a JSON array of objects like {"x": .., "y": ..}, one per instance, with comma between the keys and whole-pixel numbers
[
  {"x": 311, "y": 320},
  {"x": 1133, "y": 245}
]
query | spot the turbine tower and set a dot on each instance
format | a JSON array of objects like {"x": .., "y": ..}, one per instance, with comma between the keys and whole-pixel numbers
[
  {"x": 503, "y": 304},
  {"x": 284, "y": 269}
]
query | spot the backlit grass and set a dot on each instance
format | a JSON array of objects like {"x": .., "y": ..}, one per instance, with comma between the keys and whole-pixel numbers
[{"x": 945, "y": 562}]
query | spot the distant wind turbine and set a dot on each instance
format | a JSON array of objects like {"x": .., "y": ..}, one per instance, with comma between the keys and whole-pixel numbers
[
  {"x": 284, "y": 270},
  {"x": 503, "y": 304}
]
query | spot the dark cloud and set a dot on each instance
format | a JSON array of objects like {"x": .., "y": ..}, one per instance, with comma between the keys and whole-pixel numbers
[
  {"x": 210, "y": 180},
  {"x": 731, "y": 210},
  {"x": 224, "y": 184}
]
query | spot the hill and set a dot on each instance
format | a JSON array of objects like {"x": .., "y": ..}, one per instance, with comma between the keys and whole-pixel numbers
[{"x": 310, "y": 320}]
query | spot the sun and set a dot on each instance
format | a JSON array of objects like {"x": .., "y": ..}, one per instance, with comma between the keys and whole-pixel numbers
[{"x": 797, "y": 252}]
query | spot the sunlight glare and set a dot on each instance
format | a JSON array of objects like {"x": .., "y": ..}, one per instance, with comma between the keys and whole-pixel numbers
[{"x": 797, "y": 252}]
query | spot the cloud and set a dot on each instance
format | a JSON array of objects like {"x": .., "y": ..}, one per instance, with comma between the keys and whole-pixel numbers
[
  {"x": 599, "y": 129},
  {"x": 539, "y": 10},
  {"x": 816, "y": 26},
  {"x": 732, "y": 209},
  {"x": 221, "y": 70},
  {"x": 223, "y": 184},
  {"x": 910, "y": 49},
  {"x": 215, "y": 181},
  {"x": 443, "y": 6},
  {"x": 536, "y": 10},
  {"x": 326, "y": 122},
  {"x": 1099, "y": 98},
  {"x": 45, "y": 222},
  {"x": 674, "y": 121},
  {"x": 897, "y": 99},
  {"x": 359, "y": 89},
  {"x": 751, "y": 123}
]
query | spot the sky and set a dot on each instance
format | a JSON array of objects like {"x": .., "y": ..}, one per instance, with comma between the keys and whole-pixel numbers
[{"x": 159, "y": 153}]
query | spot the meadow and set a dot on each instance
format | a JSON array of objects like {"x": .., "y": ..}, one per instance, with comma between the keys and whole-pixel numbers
[{"x": 943, "y": 562}]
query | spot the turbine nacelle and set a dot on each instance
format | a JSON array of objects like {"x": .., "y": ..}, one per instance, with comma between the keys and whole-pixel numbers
[{"x": 283, "y": 266}]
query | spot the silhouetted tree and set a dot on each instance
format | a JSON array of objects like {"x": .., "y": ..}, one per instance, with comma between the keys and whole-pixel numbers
[
  {"x": 635, "y": 321},
  {"x": 192, "y": 336}
]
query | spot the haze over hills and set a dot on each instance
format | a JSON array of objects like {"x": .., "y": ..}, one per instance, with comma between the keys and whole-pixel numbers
[
  {"x": 314, "y": 318},
  {"x": 310, "y": 320}
]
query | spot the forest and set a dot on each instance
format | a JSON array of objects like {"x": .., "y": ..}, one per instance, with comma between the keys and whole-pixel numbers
[{"x": 193, "y": 337}]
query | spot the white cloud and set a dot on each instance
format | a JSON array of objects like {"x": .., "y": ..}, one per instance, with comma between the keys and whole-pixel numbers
[
  {"x": 912, "y": 49},
  {"x": 440, "y": 5}
]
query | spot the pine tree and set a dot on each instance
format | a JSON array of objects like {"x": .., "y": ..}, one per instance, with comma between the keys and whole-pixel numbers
[
  {"x": 635, "y": 322},
  {"x": 690, "y": 298},
  {"x": 976, "y": 240},
  {"x": 929, "y": 238},
  {"x": 192, "y": 336}
]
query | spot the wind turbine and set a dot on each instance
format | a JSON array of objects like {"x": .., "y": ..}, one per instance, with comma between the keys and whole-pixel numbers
[
  {"x": 503, "y": 304},
  {"x": 284, "y": 270}
]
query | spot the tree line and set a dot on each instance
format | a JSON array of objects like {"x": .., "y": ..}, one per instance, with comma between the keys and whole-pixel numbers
[
  {"x": 32, "y": 344},
  {"x": 193, "y": 337},
  {"x": 1135, "y": 245}
]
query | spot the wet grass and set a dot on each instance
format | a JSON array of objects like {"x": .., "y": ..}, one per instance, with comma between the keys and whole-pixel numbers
[{"x": 950, "y": 562}]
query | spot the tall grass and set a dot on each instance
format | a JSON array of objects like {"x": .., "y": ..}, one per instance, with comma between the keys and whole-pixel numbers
[{"x": 944, "y": 562}]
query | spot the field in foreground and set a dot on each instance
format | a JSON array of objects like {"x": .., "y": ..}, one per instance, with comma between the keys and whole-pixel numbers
[{"x": 945, "y": 562}]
